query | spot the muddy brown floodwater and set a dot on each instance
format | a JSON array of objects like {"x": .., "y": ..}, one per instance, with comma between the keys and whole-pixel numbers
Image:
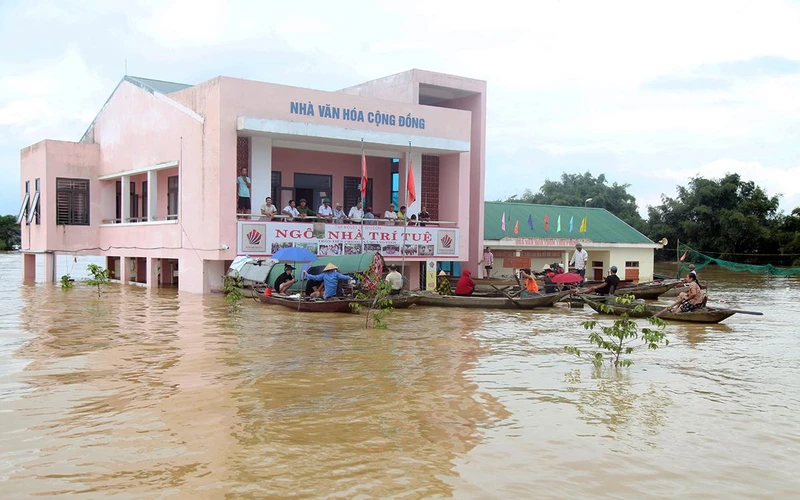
[{"x": 144, "y": 394}]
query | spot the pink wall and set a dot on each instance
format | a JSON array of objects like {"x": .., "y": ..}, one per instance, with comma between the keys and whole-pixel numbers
[
  {"x": 292, "y": 161},
  {"x": 455, "y": 198}
]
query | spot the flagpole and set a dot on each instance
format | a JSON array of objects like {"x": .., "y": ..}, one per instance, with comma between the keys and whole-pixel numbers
[
  {"x": 363, "y": 193},
  {"x": 405, "y": 220}
]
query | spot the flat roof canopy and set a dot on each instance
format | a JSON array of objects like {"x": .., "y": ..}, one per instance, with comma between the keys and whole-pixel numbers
[{"x": 346, "y": 140}]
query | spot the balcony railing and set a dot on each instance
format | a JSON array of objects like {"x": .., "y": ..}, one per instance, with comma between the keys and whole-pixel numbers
[
  {"x": 346, "y": 220},
  {"x": 140, "y": 220}
]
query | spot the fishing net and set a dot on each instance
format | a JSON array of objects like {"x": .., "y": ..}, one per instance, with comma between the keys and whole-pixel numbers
[{"x": 700, "y": 260}]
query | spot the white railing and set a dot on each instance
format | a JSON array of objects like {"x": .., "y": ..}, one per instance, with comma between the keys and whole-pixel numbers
[
  {"x": 135, "y": 220},
  {"x": 345, "y": 220}
]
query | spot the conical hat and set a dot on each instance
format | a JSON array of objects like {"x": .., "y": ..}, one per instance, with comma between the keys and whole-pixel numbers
[
  {"x": 442, "y": 273},
  {"x": 330, "y": 267}
]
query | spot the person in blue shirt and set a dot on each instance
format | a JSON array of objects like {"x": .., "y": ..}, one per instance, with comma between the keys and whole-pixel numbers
[
  {"x": 243, "y": 192},
  {"x": 330, "y": 276}
]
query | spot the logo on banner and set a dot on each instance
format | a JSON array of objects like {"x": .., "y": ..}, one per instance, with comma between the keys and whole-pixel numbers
[
  {"x": 447, "y": 242},
  {"x": 254, "y": 237}
]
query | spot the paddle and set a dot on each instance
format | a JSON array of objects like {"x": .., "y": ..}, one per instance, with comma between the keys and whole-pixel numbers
[
  {"x": 659, "y": 313},
  {"x": 739, "y": 311},
  {"x": 509, "y": 297}
]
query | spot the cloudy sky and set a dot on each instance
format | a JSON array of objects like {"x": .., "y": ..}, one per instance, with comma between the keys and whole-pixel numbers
[{"x": 648, "y": 93}]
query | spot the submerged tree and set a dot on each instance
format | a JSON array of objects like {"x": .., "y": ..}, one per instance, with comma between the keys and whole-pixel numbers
[
  {"x": 9, "y": 232},
  {"x": 99, "y": 277}
]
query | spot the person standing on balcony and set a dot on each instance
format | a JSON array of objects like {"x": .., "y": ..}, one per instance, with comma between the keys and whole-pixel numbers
[
  {"x": 290, "y": 210},
  {"x": 325, "y": 211},
  {"x": 424, "y": 216},
  {"x": 243, "y": 185},
  {"x": 304, "y": 210},
  {"x": 338, "y": 214},
  {"x": 356, "y": 214},
  {"x": 390, "y": 215},
  {"x": 402, "y": 216},
  {"x": 579, "y": 259},
  {"x": 268, "y": 210},
  {"x": 369, "y": 216}
]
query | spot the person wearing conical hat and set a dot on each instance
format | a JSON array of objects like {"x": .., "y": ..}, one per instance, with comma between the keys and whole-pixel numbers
[
  {"x": 330, "y": 276},
  {"x": 443, "y": 286}
]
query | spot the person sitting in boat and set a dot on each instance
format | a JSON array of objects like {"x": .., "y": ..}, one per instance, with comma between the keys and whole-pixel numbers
[
  {"x": 443, "y": 286},
  {"x": 314, "y": 290},
  {"x": 330, "y": 276},
  {"x": 531, "y": 287},
  {"x": 285, "y": 280},
  {"x": 395, "y": 279},
  {"x": 609, "y": 285},
  {"x": 692, "y": 298},
  {"x": 549, "y": 274},
  {"x": 465, "y": 285}
]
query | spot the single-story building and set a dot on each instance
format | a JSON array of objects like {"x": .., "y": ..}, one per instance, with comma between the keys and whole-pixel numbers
[{"x": 523, "y": 235}]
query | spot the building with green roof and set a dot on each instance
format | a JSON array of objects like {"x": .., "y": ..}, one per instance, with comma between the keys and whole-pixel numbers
[{"x": 526, "y": 235}]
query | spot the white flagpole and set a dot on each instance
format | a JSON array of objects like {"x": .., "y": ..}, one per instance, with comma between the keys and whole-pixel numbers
[{"x": 405, "y": 220}]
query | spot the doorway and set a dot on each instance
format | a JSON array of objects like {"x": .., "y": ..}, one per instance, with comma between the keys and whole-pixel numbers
[{"x": 313, "y": 187}]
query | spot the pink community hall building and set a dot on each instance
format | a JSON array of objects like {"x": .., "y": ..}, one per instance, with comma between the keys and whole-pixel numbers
[{"x": 152, "y": 184}]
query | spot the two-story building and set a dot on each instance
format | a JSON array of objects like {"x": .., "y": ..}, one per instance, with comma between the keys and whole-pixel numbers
[{"x": 152, "y": 184}]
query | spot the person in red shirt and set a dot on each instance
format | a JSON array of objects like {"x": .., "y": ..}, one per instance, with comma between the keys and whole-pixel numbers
[{"x": 465, "y": 285}]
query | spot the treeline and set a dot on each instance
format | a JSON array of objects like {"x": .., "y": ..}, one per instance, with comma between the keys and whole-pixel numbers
[
  {"x": 727, "y": 218},
  {"x": 9, "y": 232}
]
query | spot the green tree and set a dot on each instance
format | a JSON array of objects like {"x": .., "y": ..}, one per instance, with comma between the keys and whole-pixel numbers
[
  {"x": 574, "y": 189},
  {"x": 9, "y": 232},
  {"x": 727, "y": 217}
]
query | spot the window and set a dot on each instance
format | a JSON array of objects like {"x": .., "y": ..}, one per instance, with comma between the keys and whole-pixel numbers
[
  {"x": 597, "y": 263},
  {"x": 276, "y": 190},
  {"x": 631, "y": 263},
  {"x": 118, "y": 213},
  {"x": 352, "y": 193},
  {"x": 144, "y": 200},
  {"x": 396, "y": 190},
  {"x": 72, "y": 202},
  {"x": 134, "y": 203},
  {"x": 27, "y": 201},
  {"x": 37, "y": 202},
  {"x": 172, "y": 197}
]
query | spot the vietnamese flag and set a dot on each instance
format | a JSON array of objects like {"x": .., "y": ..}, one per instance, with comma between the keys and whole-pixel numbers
[
  {"x": 546, "y": 223},
  {"x": 410, "y": 188},
  {"x": 516, "y": 227},
  {"x": 683, "y": 257},
  {"x": 364, "y": 179}
]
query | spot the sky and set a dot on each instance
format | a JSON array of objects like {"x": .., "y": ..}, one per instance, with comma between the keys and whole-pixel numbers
[{"x": 649, "y": 93}]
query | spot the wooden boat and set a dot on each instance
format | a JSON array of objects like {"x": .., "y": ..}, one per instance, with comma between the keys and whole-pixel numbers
[
  {"x": 544, "y": 300},
  {"x": 338, "y": 304},
  {"x": 702, "y": 315},
  {"x": 403, "y": 301}
]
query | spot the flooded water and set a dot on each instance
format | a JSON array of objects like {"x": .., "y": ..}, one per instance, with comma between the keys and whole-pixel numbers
[{"x": 148, "y": 394}]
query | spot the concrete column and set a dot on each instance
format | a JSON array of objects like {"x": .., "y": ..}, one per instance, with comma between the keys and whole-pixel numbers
[
  {"x": 126, "y": 198},
  {"x": 260, "y": 171},
  {"x": 29, "y": 267},
  {"x": 125, "y": 270},
  {"x": 153, "y": 272},
  {"x": 213, "y": 272},
  {"x": 152, "y": 194},
  {"x": 50, "y": 267}
]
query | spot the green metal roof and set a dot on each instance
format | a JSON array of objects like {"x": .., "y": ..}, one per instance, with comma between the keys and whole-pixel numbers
[{"x": 601, "y": 225}]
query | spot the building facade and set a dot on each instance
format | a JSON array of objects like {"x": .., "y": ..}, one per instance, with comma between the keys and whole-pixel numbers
[
  {"x": 152, "y": 184},
  {"x": 525, "y": 235}
]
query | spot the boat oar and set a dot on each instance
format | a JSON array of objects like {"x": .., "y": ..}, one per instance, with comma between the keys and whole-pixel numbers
[
  {"x": 659, "y": 313},
  {"x": 509, "y": 297},
  {"x": 739, "y": 311}
]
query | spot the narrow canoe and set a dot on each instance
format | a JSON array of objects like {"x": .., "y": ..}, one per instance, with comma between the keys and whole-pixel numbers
[
  {"x": 304, "y": 305},
  {"x": 647, "y": 291},
  {"x": 702, "y": 315},
  {"x": 403, "y": 301},
  {"x": 544, "y": 300}
]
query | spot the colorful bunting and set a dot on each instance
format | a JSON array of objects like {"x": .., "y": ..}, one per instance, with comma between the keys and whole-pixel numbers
[
  {"x": 503, "y": 222},
  {"x": 571, "y": 223},
  {"x": 583, "y": 225},
  {"x": 516, "y": 227},
  {"x": 546, "y": 223},
  {"x": 530, "y": 221},
  {"x": 558, "y": 225}
]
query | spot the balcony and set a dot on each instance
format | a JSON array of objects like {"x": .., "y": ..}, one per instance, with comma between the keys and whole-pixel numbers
[{"x": 262, "y": 236}]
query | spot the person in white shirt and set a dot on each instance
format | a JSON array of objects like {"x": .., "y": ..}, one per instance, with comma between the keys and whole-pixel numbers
[
  {"x": 268, "y": 210},
  {"x": 338, "y": 214},
  {"x": 390, "y": 215},
  {"x": 291, "y": 210},
  {"x": 356, "y": 214},
  {"x": 325, "y": 211},
  {"x": 579, "y": 260},
  {"x": 395, "y": 279}
]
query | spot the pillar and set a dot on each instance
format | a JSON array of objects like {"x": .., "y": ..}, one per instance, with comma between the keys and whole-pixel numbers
[
  {"x": 29, "y": 267},
  {"x": 213, "y": 274},
  {"x": 153, "y": 272},
  {"x": 125, "y": 270},
  {"x": 126, "y": 198},
  {"x": 260, "y": 171},
  {"x": 50, "y": 267},
  {"x": 152, "y": 195}
]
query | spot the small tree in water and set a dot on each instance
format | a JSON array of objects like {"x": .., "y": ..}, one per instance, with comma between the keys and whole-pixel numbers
[
  {"x": 66, "y": 281},
  {"x": 99, "y": 276},
  {"x": 622, "y": 336},
  {"x": 232, "y": 288},
  {"x": 377, "y": 301}
]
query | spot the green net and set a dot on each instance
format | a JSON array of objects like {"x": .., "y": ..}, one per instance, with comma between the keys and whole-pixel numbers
[{"x": 690, "y": 256}]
